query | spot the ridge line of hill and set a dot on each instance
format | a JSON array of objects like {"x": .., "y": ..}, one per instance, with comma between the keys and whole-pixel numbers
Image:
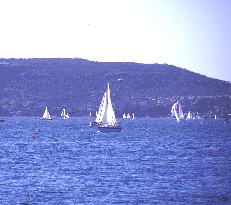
[{"x": 27, "y": 86}]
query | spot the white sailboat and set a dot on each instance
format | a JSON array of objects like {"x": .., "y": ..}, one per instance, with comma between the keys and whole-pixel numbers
[
  {"x": 106, "y": 115},
  {"x": 189, "y": 116},
  {"x": 133, "y": 116},
  {"x": 177, "y": 112},
  {"x": 124, "y": 116},
  {"x": 128, "y": 116},
  {"x": 64, "y": 114},
  {"x": 46, "y": 115}
]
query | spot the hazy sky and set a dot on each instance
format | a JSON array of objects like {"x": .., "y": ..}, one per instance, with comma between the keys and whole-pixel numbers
[{"x": 192, "y": 34}]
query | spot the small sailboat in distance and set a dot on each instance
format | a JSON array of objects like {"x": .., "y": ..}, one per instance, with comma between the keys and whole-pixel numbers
[
  {"x": 177, "y": 112},
  {"x": 189, "y": 116},
  {"x": 106, "y": 115},
  {"x": 64, "y": 114},
  {"x": 198, "y": 117},
  {"x": 46, "y": 115}
]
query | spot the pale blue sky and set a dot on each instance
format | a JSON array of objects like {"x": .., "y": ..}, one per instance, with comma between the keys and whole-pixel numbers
[{"x": 192, "y": 34}]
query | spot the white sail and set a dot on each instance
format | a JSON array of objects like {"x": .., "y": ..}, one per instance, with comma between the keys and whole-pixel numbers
[
  {"x": 108, "y": 115},
  {"x": 177, "y": 112},
  {"x": 108, "y": 123},
  {"x": 189, "y": 116},
  {"x": 174, "y": 112},
  {"x": 181, "y": 114},
  {"x": 133, "y": 116},
  {"x": 128, "y": 115},
  {"x": 99, "y": 114},
  {"x": 64, "y": 114},
  {"x": 46, "y": 114},
  {"x": 124, "y": 115}
]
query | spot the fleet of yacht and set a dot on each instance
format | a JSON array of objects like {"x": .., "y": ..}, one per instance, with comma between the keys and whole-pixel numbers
[{"x": 105, "y": 119}]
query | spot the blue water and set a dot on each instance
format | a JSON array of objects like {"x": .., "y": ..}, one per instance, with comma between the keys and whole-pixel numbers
[{"x": 153, "y": 161}]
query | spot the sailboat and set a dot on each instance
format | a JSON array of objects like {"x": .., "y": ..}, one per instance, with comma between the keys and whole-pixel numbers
[
  {"x": 124, "y": 116},
  {"x": 64, "y": 114},
  {"x": 46, "y": 115},
  {"x": 177, "y": 112},
  {"x": 133, "y": 116},
  {"x": 106, "y": 115},
  {"x": 128, "y": 116},
  {"x": 189, "y": 116},
  {"x": 198, "y": 116}
]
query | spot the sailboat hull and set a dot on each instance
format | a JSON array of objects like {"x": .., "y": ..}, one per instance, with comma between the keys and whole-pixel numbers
[
  {"x": 94, "y": 124},
  {"x": 110, "y": 128},
  {"x": 46, "y": 118}
]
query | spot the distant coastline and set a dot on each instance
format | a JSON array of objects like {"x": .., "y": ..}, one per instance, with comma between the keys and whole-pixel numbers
[{"x": 27, "y": 86}]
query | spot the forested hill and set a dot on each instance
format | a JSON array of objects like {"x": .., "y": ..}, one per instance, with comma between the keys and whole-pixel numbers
[{"x": 27, "y": 86}]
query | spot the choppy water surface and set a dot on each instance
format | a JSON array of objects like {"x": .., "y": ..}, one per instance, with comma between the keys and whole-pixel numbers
[{"x": 153, "y": 161}]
